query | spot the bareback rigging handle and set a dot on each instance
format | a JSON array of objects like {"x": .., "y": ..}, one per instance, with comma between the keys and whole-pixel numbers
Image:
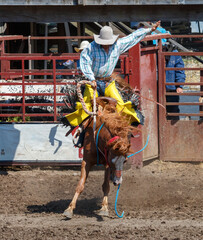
[{"x": 81, "y": 99}]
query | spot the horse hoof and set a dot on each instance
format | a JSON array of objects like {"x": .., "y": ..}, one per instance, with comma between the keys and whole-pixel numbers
[
  {"x": 68, "y": 214},
  {"x": 103, "y": 213}
]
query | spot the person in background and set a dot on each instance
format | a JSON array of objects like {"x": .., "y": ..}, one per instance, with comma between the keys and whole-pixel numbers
[
  {"x": 60, "y": 65},
  {"x": 173, "y": 76},
  {"x": 69, "y": 64},
  {"x": 83, "y": 45},
  {"x": 162, "y": 31}
]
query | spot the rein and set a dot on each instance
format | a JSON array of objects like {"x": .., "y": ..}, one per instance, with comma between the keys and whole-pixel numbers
[{"x": 106, "y": 158}]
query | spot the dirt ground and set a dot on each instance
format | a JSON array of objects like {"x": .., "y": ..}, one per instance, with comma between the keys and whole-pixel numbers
[{"x": 162, "y": 200}]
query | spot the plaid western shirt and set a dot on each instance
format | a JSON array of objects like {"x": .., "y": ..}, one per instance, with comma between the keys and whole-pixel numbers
[{"x": 95, "y": 62}]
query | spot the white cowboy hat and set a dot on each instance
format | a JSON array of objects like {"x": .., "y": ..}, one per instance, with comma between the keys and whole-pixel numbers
[
  {"x": 106, "y": 36},
  {"x": 83, "y": 45}
]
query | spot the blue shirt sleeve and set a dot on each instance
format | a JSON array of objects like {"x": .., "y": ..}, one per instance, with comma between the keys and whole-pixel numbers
[{"x": 179, "y": 74}]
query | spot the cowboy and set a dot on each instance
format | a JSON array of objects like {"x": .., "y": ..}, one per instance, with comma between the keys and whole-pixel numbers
[{"x": 97, "y": 63}]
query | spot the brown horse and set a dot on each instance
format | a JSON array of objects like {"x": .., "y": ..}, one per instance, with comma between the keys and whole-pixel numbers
[{"x": 112, "y": 148}]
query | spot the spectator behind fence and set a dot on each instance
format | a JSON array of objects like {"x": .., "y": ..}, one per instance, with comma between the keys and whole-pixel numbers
[
  {"x": 83, "y": 45},
  {"x": 174, "y": 76}
]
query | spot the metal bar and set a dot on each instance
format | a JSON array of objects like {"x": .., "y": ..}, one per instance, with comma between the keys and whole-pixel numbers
[
  {"x": 201, "y": 89},
  {"x": 38, "y": 56},
  {"x": 29, "y": 51},
  {"x": 147, "y": 49},
  {"x": 167, "y": 35},
  {"x": 41, "y": 163},
  {"x": 23, "y": 90},
  {"x": 185, "y": 103},
  {"x": 183, "y": 159},
  {"x": 11, "y": 115},
  {"x": 28, "y": 114},
  {"x": 29, "y": 94},
  {"x": 32, "y": 84},
  {"x": 10, "y": 104},
  {"x": 183, "y": 53},
  {"x": 161, "y": 99},
  {"x": 183, "y": 83},
  {"x": 48, "y": 55},
  {"x": 26, "y": 104},
  {"x": 54, "y": 78},
  {"x": 98, "y": 3},
  {"x": 185, "y": 114},
  {"x": 184, "y": 93},
  {"x": 187, "y": 69}
]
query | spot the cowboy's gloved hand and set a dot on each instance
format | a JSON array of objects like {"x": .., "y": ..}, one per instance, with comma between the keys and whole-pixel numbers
[
  {"x": 156, "y": 25},
  {"x": 94, "y": 84}
]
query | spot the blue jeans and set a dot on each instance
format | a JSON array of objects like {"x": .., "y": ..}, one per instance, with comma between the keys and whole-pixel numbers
[{"x": 101, "y": 85}]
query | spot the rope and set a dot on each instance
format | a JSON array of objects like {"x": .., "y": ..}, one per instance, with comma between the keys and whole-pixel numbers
[
  {"x": 141, "y": 149},
  {"x": 81, "y": 99},
  {"x": 120, "y": 216}
]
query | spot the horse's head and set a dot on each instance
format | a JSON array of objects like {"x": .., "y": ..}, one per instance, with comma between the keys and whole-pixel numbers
[
  {"x": 118, "y": 147},
  {"x": 116, "y": 166}
]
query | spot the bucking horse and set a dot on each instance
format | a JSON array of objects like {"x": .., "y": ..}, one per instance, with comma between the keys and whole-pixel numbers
[{"x": 107, "y": 137}]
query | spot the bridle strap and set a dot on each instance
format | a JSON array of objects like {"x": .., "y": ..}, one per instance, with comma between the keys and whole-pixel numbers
[
  {"x": 105, "y": 149},
  {"x": 112, "y": 140},
  {"x": 106, "y": 156}
]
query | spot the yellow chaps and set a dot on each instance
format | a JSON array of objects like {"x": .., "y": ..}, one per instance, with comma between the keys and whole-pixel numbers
[{"x": 79, "y": 115}]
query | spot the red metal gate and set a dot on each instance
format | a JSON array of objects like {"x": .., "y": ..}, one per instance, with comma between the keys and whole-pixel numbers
[{"x": 181, "y": 140}]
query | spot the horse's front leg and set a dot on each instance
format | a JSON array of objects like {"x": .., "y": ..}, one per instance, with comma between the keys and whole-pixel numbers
[
  {"x": 81, "y": 184},
  {"x": 104, "y": 211}
]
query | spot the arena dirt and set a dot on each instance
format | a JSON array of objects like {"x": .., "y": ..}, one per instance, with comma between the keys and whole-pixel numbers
[{"x": 160, "y": 201}]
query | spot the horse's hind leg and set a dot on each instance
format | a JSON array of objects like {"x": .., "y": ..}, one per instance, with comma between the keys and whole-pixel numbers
[
  {"x": 104, "y": 211},
  {"x": 84, "y": 174}
]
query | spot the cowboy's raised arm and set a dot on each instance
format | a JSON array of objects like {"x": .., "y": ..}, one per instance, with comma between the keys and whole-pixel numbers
[
  {"x": 86, "y": 63},
  {"x": 132, "y": 39},
  {"x": 156, "y": 25}
]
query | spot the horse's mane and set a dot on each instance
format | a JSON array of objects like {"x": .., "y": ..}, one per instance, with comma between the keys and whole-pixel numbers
[
  {"x": 122, "y": 83},
  {"x": 118, "y": 125}
]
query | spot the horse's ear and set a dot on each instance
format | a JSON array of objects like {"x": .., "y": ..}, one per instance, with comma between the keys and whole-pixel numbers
[{"x": 106, "y": 100}]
